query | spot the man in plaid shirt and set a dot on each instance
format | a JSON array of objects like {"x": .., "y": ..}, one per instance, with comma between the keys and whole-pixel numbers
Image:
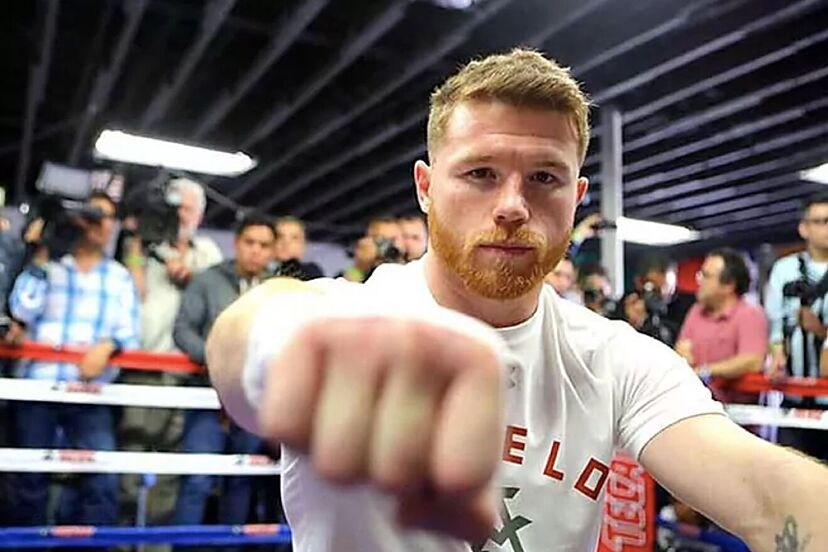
[{"x": 82, "y": 299}]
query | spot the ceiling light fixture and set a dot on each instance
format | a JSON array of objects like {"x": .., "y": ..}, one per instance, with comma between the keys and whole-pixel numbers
[
  {"x": 817, "y": 174},
  {"x": 653, "y": 233},
  {"x": 130, "y": 148}
]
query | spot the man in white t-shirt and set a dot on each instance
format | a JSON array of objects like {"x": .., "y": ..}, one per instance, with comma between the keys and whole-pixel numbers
[{"x": 415, "y": 407}]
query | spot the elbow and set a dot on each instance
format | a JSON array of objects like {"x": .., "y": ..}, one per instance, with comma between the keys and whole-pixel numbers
[{"x": 756, "y": 365}]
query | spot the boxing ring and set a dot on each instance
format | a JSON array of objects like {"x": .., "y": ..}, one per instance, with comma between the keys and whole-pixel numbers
[{"x": 630, "y": 520}]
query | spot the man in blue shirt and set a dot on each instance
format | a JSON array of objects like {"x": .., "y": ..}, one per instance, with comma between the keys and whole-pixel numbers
[
  {"x": 83, "y": 299},
  {"x": 797, "y": 313}
]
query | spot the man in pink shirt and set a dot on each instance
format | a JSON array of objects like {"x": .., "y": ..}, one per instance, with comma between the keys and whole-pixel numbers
[{"x": 724, "y": 336}]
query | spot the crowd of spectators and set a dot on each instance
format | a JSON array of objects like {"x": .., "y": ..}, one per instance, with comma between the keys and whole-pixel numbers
[
  {"x": 160, "y": 298},
  {"x": 166, "y": 298}
]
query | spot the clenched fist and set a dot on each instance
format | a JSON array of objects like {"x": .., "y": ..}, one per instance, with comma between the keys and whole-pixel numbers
[{"x": 406, "y": 405}]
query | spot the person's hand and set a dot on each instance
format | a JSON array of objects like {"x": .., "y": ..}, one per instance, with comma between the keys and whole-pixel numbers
[
  {"x": 586, "y": 228},
  {"x": 15, "y": 336},
  {"x": 635, "y": 310},
  {"x": 811, "y": 323},
  {"x": 778, "y": 369},
  {"x": 177, "y": 271},
  {"x": 34, "y": 231},
  {"x": 409, "y": 407},
  {"x": 95, "y": 360},
  {"x": 685, "y": 349}
]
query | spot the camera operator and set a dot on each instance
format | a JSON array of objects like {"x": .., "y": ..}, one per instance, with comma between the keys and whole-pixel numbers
[
  {"x": 291, "y": 243},
  {"x": 161, "y": 275},
  {"x": 596, "y": 289},
  {"x": 382, "y": 243},
  {"x": 656, "y": 308},
  {"x": 797, "y": 311},
  {"x": 82, "y": 299}
]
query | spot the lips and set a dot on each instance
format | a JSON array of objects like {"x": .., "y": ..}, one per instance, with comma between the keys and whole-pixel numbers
[{"x": 508, "y": 247}]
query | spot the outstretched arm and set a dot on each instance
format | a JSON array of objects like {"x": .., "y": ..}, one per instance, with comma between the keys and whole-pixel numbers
[{"x": 775, "y": 499}]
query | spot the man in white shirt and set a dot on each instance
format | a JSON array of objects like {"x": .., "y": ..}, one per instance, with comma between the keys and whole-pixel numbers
[{"x": 391, "y": 398}]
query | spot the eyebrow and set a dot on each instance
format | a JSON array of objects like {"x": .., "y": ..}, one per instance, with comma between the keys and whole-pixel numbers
[{"x": 488, "y": 158}]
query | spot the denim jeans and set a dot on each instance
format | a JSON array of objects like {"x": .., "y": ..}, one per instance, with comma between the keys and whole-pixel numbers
[
  {"x": 203, "y": 434},
  {"x": 84, "y": 427}
]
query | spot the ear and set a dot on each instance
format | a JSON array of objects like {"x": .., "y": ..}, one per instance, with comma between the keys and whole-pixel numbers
[
  {"x": 422, "y": 184},
  {"x": 803, "y": 231},
  {"x": 582, "y": 187}
]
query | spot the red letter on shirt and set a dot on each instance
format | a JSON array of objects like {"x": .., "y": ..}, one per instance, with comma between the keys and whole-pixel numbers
[
  {"x": 593, "y": 466},
  {"x": 550, "y": 462},
  {"x": 511, "y": 444}
]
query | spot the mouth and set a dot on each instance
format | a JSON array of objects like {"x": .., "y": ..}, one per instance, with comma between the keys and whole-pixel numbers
[{"x": 506, "y": 248}]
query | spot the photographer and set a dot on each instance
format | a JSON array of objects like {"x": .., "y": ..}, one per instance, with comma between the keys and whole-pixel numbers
[
  {"x": 161, "y": 271},
  {"x": 596, "y": 289},
  {"x": 656, "y": 308},
  {"x": 382, "y": 243},
  {"x": 797, "y": 310},
  {"x": 82, "y": 299}
]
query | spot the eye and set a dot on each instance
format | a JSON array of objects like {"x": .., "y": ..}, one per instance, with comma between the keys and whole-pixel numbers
[
  {"x": 482, "y": 173},
  {"x": 544, "y": 177}
]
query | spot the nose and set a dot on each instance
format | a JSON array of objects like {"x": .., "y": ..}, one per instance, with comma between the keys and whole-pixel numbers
[{"x": 511, "y": 207}]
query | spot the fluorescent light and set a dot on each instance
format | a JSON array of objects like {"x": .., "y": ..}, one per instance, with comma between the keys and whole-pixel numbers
[
  {"x": 817, "y": 174},
  {"x": 653, "y": 233},
  {"x": 456, "y": 4},
  {"x": 130, "y": 148}
]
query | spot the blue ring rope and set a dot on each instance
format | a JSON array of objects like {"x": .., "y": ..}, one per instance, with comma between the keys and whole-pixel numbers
[{"x": 103, "y": 537}]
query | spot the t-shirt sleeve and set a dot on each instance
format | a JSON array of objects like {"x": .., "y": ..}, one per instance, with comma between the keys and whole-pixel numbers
[
  {"x": 753, "y": 332},
  {"x": 654, "y": 388}
]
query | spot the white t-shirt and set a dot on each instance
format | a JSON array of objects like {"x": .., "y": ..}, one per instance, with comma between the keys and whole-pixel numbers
[{"x": 579, "y": 387}]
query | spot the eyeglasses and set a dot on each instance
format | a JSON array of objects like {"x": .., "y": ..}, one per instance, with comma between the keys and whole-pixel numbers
[{"x": 818, "y": 221}]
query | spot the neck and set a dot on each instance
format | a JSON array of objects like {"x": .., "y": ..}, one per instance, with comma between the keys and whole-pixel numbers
[
  {"x": 728, "y": 303},
  {"x": 86, "y": 253},
  {"x": 247, "y": 275},
  {"x": 450, "y": 292},
  {"x": 817, "y": 254}
]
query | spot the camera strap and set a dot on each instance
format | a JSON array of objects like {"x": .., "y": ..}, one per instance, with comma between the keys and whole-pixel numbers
[{"x": 821, "y": 287}]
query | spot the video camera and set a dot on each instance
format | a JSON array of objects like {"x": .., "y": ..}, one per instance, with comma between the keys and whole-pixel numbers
[
  {"x": 653, "y": 300},
  {"x": 154, "y": 205},
  {"x": 806, "y": 291},
  {"x": 387, "y": 252},
  {"x": 61, "y": 204}
]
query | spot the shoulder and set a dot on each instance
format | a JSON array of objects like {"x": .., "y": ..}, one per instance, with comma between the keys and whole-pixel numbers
[
  {"x": 786, "y": 263},
  {"x": 205, "y": 244},
  {"x": 749, "y": 310}
]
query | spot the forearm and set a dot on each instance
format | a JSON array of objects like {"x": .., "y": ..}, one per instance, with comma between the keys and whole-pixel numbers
[
  {"x": 792, "y": 489},
  {"x": 227, "y": 344},
  {"x": 737, "y": 366},
  {"x": 190, "y": 342}
]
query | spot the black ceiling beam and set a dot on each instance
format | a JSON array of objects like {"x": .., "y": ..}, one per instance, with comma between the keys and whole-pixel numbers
[
  {"x": 322, "y": 169},
  {"x": 35, "y": 91},
  {"x": 685, "y": 16},
  {"x": 724, "y": 137},
  {"x": 422, "y": 62},
  {"x": 791, "y": 189},
  {"x": 286, "y": 32},
  {"x": 699, "y": 203},
  {"x": 547, "y": 34},
  {"x": 754, "y": 215},
  {"x": 359, "y": 179},
  {"x": 213, "y": 16},
  {"x": 779, "y": 142},
  {"x": 762, "y": 24},
  {"x": 788, "y": 163},
  {"x": 717, "y": 112},
  {"x": 106, "y": 79},
  {"x": 788, "y": 215},
  {"x": 354, "y": 47}
]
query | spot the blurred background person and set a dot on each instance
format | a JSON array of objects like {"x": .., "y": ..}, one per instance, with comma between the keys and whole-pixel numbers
[
  {"x": 88, "y": 300},
  {"x": 724, "y": 336},
  {"x": 414, "y": 236},
  {"x": 161, "y": 276},
  {"x": 656, "y": 307},
  {"x": 563, "y": 279},
  {"x": 365, "y": 255},
  {"x": 595, "y": 289},
  {"x": 291, "y": 244},
  {"x": 209, "y": 293},
  {"x": 797, "y": 310}
]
